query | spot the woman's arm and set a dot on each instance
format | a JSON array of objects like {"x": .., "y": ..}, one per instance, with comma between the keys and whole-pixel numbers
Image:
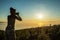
[{"x": 18, "y": 18}]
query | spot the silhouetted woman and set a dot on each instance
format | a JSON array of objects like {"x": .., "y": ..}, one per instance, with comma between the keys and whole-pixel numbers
[{"x": 10, "y": 32}]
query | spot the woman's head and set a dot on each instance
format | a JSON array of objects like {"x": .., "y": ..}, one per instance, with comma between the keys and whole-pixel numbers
[{"x": 12, "y": 11}]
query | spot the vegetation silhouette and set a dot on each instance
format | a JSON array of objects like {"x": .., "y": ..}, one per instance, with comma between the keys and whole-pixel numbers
[
  {"x": 39, "y": 33},
  {"x": 10, "y": 30}
]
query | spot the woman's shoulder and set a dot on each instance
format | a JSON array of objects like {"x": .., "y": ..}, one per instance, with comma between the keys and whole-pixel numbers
[{"x": 9, "y": 15}]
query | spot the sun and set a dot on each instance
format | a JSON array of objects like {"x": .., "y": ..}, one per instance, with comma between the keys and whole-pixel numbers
[{"x": 40, "y": 16}]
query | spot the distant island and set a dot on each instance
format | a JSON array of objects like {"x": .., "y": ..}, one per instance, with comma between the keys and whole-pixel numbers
[{"x": 2, "y": 22}]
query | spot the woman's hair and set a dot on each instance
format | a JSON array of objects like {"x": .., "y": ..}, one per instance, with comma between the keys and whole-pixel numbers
[{"x": 12, "y": 11}]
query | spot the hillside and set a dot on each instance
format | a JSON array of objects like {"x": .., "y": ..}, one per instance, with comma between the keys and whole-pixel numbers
[{"x": 39, "y": 33}]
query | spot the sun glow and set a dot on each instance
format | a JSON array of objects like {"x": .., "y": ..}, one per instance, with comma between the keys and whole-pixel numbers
[
  {"x": 40, "y": 16},
  {"x": 40, "y": 24}
]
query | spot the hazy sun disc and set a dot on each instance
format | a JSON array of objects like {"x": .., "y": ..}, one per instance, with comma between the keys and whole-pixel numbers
[{"x": 40, "y": 16}]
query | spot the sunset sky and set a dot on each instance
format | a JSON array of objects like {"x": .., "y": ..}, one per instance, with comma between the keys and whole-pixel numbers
[{"x": 33, "y": 12}]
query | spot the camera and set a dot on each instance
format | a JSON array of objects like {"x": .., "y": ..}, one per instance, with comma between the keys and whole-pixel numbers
[{"x": 17, "y": 13}]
